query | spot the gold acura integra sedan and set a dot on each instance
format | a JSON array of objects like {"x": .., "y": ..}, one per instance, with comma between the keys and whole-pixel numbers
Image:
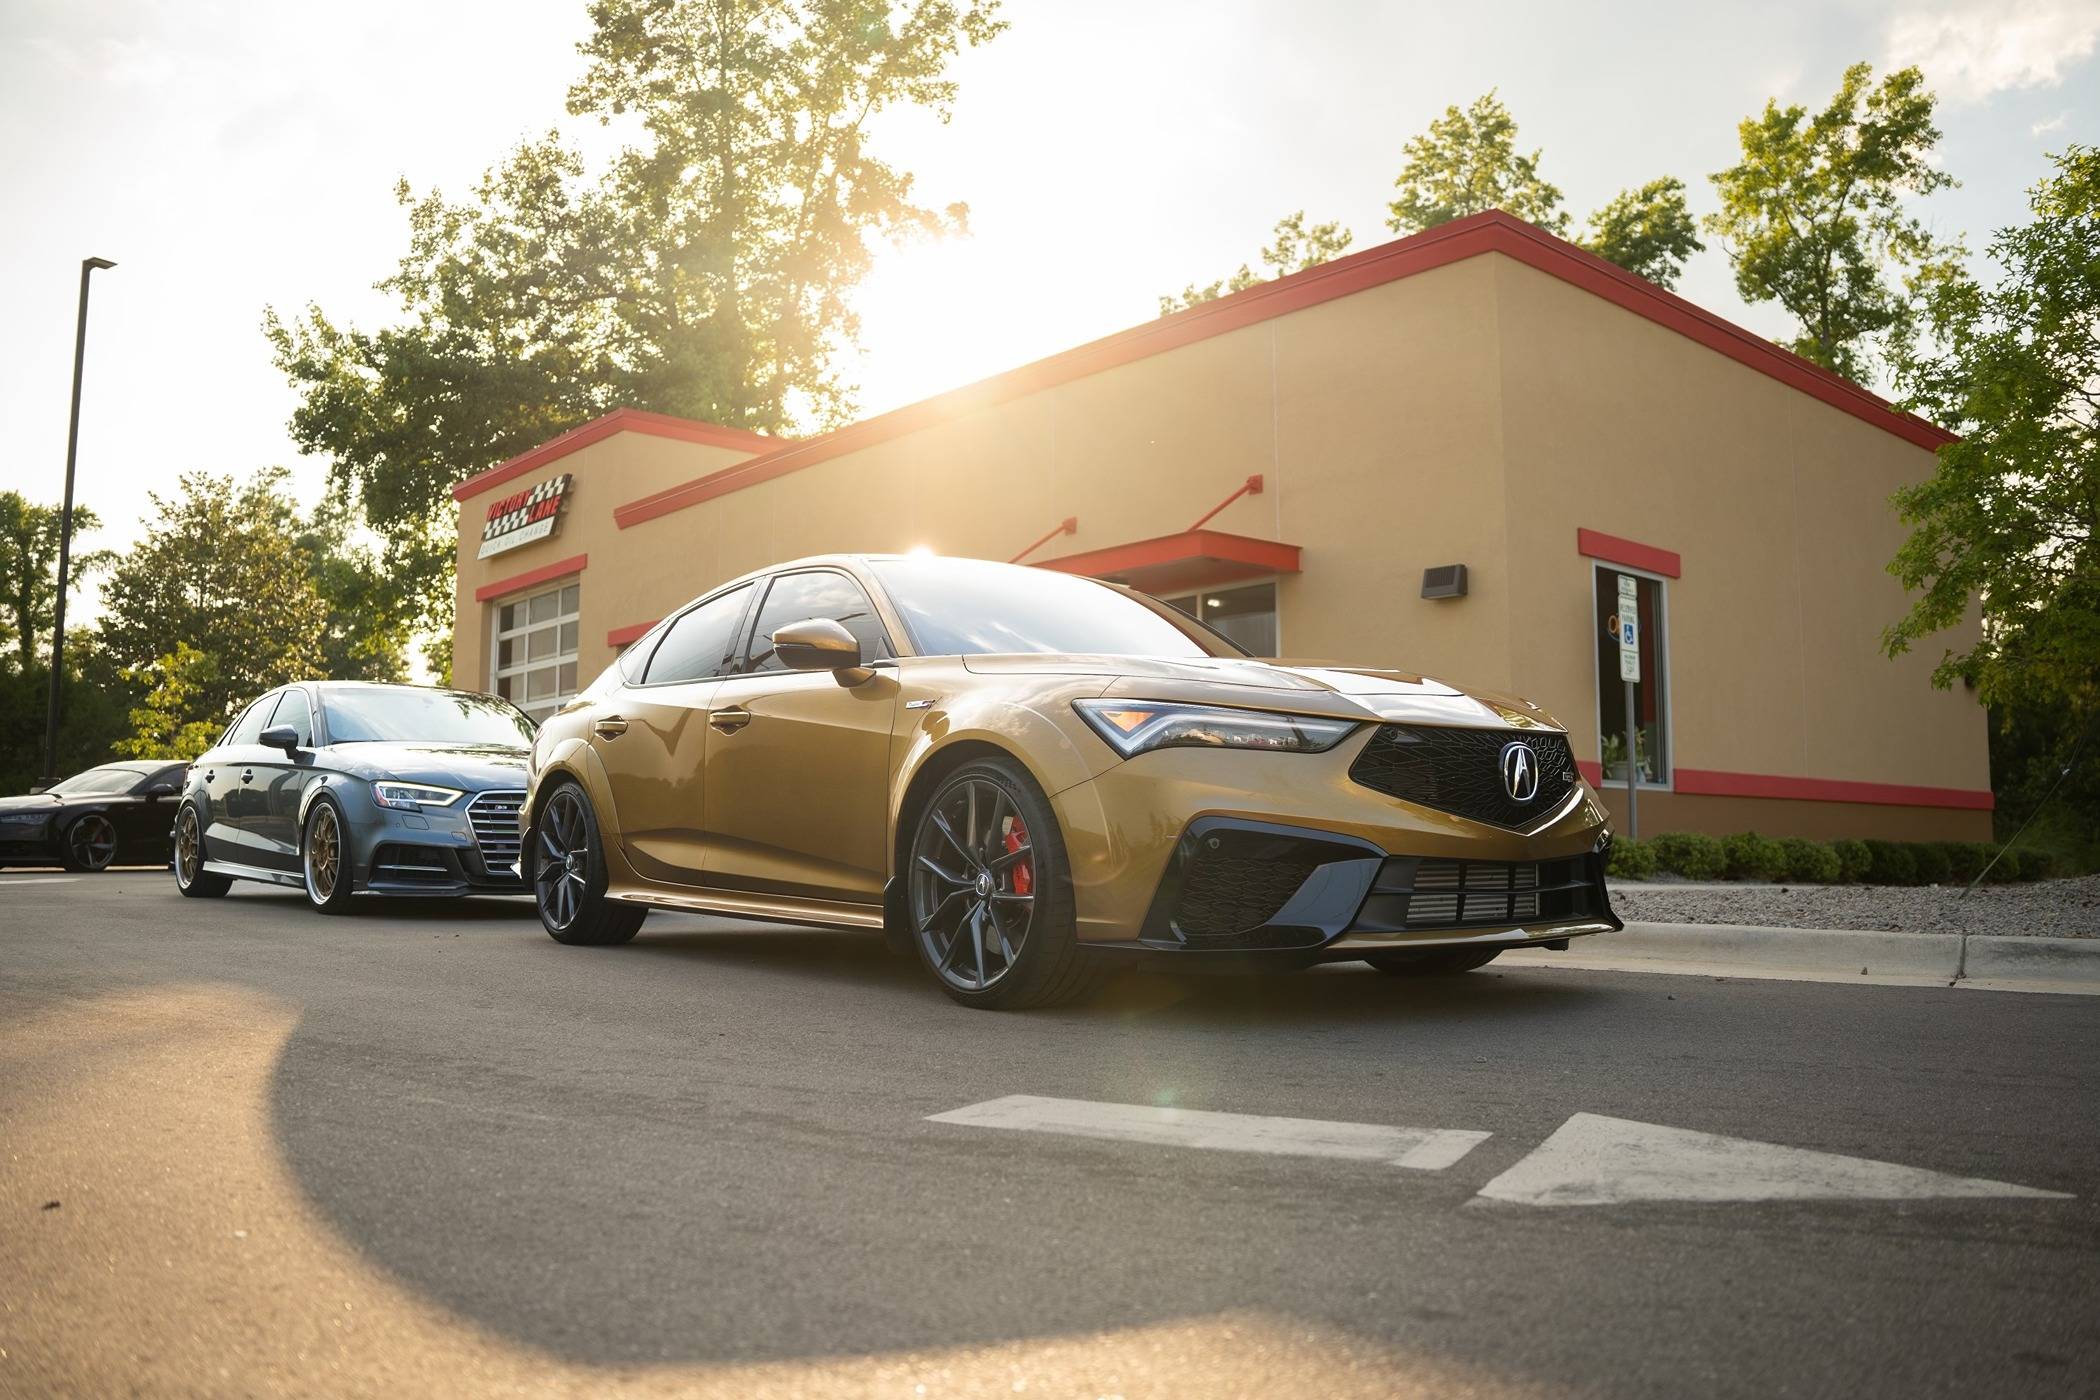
[{"x": 1017, "y": 773}]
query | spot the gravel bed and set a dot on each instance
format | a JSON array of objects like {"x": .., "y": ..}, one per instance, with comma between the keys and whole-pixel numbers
[{"x": 2048, "y": 908}]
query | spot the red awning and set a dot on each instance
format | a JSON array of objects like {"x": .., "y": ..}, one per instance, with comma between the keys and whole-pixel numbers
[{"x": 1179, "y": 563}]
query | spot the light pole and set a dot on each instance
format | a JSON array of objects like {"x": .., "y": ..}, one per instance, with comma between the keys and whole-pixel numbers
[{"x": 65, "y": 533}]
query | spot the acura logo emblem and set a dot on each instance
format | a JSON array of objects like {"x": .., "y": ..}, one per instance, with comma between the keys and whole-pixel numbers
[{"x": 1520, "y": 771}]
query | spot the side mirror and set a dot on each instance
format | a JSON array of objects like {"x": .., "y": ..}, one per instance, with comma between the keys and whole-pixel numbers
[
  {"x": 819, "y": 644},
  {"x": 160, "y": 790},
  {"x": 280, "y": 736}
]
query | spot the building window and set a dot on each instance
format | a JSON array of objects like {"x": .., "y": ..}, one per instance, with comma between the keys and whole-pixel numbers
[
  {"x": 1247, "y": 615},
  {"x": 1650, "y": 692},
  {"x": 536, "y": 649}
]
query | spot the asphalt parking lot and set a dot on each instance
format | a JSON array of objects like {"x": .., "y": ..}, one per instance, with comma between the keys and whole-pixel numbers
[{"x": 423, "y": 1149}]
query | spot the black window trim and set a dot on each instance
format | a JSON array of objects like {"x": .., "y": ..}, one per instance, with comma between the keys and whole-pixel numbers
[
  {"x": 663, "y": 630},
  {"x": 750, "y": 622}
]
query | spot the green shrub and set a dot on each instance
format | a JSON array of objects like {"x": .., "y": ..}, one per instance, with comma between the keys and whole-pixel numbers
[
  {"x": 1630, "y": 859},
  {"x": 1753, "y": 857},
  {"x": 1854, "y": 860},
  {"x": 2036, "y": 864},
  {"x": 1689, "y": 854},
  {"x": 1891, "y": 863},
  {"x": 2006, "y": 869},
  {"x": 1964, "y": 859},
  {"x": 1811, "y": 862},
  {"x": 1930, "y": 860}
]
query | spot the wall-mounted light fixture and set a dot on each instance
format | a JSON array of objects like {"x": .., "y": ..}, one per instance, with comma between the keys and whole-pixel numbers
[{"x": 1444, "y": 581}]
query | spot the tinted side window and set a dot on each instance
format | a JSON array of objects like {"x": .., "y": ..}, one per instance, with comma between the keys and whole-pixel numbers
[
  {"x": 799, "y": 597},
  {"x": 250, "y": 725},
  {"x": 293, "y": 710},
  {"x": 698, "y": 644}
]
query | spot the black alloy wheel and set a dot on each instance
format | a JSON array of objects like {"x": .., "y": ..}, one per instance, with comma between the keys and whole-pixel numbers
[
  {"x": 190, "y": 875},
  {"x": 569, "y": 875},
  {"x": 989, "y": 895},
  {"x": 90, "y": 844},
  {"x": 1431, "y": 962},
  {"x": 325, "y": 859}
]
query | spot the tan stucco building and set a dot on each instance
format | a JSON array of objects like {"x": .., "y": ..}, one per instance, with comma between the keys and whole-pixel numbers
[{"x": 1293, "y": 461}]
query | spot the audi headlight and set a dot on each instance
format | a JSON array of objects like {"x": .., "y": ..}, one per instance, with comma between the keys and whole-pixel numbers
[
  {"x": 413, "y": 797},
  {"x": 1132, "y": 727}
]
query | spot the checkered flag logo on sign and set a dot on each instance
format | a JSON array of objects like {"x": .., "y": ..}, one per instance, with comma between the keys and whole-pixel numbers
[{"x": 516, "y": 512}]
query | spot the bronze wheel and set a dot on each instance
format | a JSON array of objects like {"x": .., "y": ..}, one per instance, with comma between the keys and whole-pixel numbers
[
  {"x": 325, "y": 861},
  {"x": 91, "y": 844},
  {"x": 190, "y": 875}
]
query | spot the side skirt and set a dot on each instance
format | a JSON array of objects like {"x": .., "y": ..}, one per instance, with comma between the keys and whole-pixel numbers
[
  {"x": 255, "y": 872},
  {"x": 772, "y": 910}
]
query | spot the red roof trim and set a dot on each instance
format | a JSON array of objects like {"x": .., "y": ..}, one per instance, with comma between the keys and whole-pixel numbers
[
  {"x": 1491, "y": 232},
  {"x": 1265, "y": 556},
  {"x": 632, "y": 632},
  {"x": 620, "y": 420},
  {"x": 574, "y": 564},
  {"x": 1705, "y": 782},
  {"x": 1595, "y": 544}
]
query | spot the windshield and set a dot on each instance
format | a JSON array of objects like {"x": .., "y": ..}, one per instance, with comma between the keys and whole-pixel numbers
[
  {"x": 969, "y": 607},
  {"x": 98, "y": 782},
  {"x": 408, "y": 716}
]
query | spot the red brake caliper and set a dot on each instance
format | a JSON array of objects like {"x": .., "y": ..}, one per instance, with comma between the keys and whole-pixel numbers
[{"x": 1023, "y": 871}]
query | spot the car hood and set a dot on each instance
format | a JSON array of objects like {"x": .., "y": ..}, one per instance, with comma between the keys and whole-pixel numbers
[
  {"x": 35, "y": 802},
  {"x": 1306, "y": 687},
  {"x": 469, "y": 767}
]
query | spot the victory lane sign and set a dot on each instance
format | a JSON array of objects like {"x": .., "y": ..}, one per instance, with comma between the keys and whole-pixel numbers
[{"x": 524, "y": 517}]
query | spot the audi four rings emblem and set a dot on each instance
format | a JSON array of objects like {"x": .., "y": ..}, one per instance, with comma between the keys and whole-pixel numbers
[{"x": 1520, "y": 771}]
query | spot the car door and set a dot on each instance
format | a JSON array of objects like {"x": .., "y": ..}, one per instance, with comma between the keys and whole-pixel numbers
[
  {"x": 648, "y": 735},
  {"x": 280, "y": 784},
  {"x": 231, "y": 796},
  {"x": 797, "y": 772}
]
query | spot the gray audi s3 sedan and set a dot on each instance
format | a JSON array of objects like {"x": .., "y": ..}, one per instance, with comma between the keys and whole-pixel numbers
[{"x": 347, "y": 787}]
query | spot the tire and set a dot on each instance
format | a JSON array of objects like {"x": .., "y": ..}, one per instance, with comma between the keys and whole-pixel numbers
[
  {"x": 89, "y": 845},
  {"x": 326, "y": 867},
  {"x": 1432, "y": 962},
  {"x": 190, "y": 875},
  {"x": 569, "y": 877},
  {"x": 995, "y": 862}
]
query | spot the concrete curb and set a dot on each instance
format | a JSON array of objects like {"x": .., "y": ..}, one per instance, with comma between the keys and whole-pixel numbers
[{"x": 2037, "y": 964}]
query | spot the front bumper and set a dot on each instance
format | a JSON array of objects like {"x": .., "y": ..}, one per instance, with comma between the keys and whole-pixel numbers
[
  {"x": 1214, "y": 854},
  {"x": 469, "y": 848}
]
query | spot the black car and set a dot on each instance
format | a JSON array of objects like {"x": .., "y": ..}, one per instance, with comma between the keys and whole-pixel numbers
[
  {"x": 346, "y": 787},
  {"x": 117, "y": 814}
]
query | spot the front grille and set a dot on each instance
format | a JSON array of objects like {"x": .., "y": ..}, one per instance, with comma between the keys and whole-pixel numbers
[
  {"x": 1411, "y": 895},
  {"x": 1460, "y": 770},
  {"x": 494, "y": 816}
]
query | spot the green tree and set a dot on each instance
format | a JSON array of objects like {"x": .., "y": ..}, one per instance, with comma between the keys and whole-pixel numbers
[
  {"x": 1648, "y": 231},
  {"x": 1467, "y": 163},
  {"x": 705, "y": 275},
  {"x": 1813, "y": 216},
  {"x": 222, "y": 569},
  {"x": 166, "y": 722},
  {"x": 2008, "y": 521},
  {"x": 1293, "y": 247},
  {"x": 29, "y": 572}
]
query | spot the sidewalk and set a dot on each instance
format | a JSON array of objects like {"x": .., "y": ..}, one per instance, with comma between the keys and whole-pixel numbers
[{"x": 1977, "y": 961}]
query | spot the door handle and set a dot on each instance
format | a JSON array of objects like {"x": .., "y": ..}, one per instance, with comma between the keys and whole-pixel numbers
[
  {"x": 209, "y": 775},
  {"x": 247, "y": 775},
  {"x": 611, "y": 727},
  {"x": 729, "y": 721}
]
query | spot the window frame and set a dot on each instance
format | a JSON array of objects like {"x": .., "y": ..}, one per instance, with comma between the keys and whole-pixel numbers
[
  {"x": 270, "y": 699},
  {"x": 1666, "y": 712},
  {"x": 657, "y": 634},
  {"x": 291, "y": 693},
  {"x": 1275, "y": 585},
  {"x": 524, "y": 666},
  {"x": 758, "y": 603}
]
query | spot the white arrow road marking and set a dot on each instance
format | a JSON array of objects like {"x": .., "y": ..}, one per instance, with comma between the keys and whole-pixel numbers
[
  {"x": 1595, "y": 1161},
  {"x": 1425, "y": 1149}
]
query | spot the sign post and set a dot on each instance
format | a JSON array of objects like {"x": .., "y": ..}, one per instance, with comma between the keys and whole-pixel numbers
[{"x": 1630, "y": 673}]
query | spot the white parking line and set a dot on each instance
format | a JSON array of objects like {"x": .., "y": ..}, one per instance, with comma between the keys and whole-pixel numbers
[
  {"x": 38, "y": 879},
  {"x": 1592, "y": 1160},
  {"x": 1424, "y": 1149}
]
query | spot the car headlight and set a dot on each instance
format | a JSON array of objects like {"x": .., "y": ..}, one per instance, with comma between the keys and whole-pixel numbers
[
  {"x": 413, "y": 797},
  {"x": 1132, "y": 727}
]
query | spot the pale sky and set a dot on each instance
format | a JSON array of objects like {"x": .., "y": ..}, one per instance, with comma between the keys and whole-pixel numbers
[{"x": 231, "y": 156}]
